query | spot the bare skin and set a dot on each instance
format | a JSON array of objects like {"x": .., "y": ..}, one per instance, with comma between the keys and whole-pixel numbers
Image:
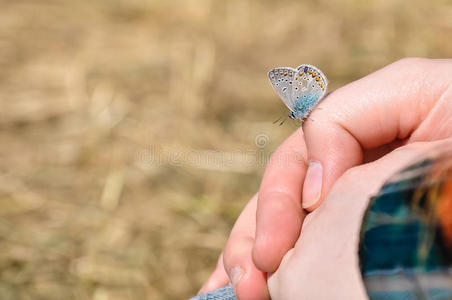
[
  {"x": 325, "y": 254},
  {"x": 406, "y": 102}
]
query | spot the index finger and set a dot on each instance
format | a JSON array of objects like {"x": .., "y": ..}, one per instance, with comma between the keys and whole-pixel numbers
[{"x": 279, "y": 213}]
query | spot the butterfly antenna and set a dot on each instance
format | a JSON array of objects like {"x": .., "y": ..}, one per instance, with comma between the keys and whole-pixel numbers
[
  {"x": 276, "y": 121},
  {"x": 279, "y": 119},
  {"x": 283, "y": 121}
]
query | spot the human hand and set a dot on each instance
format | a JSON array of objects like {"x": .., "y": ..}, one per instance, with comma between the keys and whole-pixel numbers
[
  {"x": 326, "y": 253},
  {"x": 406, "y": 102}
]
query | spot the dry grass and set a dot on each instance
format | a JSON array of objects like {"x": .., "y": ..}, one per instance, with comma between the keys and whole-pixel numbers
[{"x": 127, "y": 128}]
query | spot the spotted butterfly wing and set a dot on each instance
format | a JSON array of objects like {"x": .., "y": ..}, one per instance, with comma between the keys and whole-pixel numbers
[
  {"x": 282, "y": 81},
  {"x": 309, "y": 87},
  {"x": 300, "y": 89}
]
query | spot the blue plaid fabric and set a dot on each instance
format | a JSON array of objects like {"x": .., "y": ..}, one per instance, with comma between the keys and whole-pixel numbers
[
  {"x": 406, "y": 236},
  {"x": 224, "y": 293}
]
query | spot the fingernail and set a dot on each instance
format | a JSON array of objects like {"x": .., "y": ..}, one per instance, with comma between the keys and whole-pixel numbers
[
  {"x": 236, "y": 274},
  {"x": 312, "y": 188}
]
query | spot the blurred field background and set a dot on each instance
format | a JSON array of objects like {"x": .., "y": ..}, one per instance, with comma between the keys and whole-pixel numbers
[{"x": 133, "y": 132}]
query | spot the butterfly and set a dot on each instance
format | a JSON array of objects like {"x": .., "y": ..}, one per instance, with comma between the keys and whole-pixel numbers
[{"x": 301, "y": 89}]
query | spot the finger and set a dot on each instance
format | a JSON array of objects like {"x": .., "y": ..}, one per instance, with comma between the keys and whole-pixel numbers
[
  {"x": 279, "y": 212},
  {"x": 249, "y": 283},
  {"x": 409, "y": 100},
  {"x": 217, "y": 279}
]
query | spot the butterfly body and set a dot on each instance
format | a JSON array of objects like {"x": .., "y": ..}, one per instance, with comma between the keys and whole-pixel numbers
[{"x": 301, "y": 89}]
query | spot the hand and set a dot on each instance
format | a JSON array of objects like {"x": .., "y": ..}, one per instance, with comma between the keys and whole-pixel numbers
[
  {"x": 326, "y": 251},
  {"x": 405, "y": 102}
]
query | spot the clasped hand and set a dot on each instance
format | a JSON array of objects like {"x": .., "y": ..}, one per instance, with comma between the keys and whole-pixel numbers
[{"x": 365, "y": 131}]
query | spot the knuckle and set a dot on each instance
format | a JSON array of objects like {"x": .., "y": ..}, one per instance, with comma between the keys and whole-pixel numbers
[
  {"x": 228, "y": 254},
  {"x": 276, "y": 202},
  {"x": 412, "y": 65},
  {"x": 286, "y": 157},
  {"x": 229, "y": 251},
  {"x": 409, "y": 61}
]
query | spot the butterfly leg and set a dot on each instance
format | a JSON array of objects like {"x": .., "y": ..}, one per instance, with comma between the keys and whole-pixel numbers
[
  {"x": 282, "y": 122},
  {"x": 276, "y": 121}
]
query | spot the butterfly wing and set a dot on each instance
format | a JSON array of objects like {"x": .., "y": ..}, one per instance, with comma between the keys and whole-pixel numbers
[
  {"x": 282, "y": 82},
  {"x": 309, "y": 87}
]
